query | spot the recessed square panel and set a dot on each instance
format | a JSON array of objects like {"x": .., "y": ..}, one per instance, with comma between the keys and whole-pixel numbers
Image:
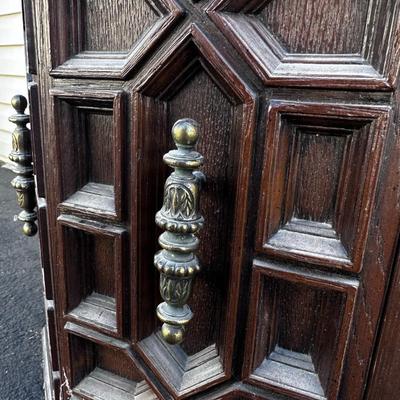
[
  {"x": 319, "y": 173},
  {"x": 93, "y": 268},
  {"x": 297, "y": 330},
  {"x": 90, "y": 149},
  {"x": 106, "y": 371}
]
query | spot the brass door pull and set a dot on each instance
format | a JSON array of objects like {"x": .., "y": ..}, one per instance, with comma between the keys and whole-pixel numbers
[
  {"x": 21, "y": 155},
  {"x": 181, "y": 220}
]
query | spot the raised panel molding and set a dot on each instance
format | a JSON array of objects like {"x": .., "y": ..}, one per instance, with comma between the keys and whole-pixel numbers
[
  {"x": 83, "y": 45},
  {"x": 240, "y": 391},
  {"x": 298, "y": 329},
  {"x": 103, "y": 368},
  {"x": 274, "y": 54},
  {"x": 319, "y": 216},
  {"x": 91, "y": 132},
  {"x": 194, "y": 80},
  {"x": 95, "y": 274}
]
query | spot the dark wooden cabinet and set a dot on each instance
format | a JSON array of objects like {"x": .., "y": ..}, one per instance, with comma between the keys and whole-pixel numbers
[{"x": 298, "y": 105}]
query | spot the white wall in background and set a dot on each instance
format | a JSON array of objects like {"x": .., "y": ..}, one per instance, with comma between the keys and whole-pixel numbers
[{"x": 12, "y": 67}]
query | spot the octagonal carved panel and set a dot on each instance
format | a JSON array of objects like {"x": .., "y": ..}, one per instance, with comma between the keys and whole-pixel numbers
[
  {"x": 194, "y": 80},
  {"x": 89, "y": 42},
  {"x": 317, "y": 43}
]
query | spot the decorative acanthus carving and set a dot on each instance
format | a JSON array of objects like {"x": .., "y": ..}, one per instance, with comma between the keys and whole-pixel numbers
[
  {"x": 179, "y": 201},
  {"x": 181, "y": 219},
  {"x": 21, "y": 155}
]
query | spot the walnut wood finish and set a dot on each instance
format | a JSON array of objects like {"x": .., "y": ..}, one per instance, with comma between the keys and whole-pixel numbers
[{"x": 298, "y": 104}]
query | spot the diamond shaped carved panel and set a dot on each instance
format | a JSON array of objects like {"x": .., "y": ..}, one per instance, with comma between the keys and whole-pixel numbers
[
  {"x": 318, "y": 43},
  {"x": 96, "y": 44}
]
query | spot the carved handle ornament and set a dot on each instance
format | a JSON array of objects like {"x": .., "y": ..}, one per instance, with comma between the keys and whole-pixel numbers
[
  {"x": 181, "y": 220},
  {"x": 21, "y": 155}
]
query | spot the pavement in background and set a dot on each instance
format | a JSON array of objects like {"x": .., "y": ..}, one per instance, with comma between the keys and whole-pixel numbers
[{"x": 21, "y": 305}]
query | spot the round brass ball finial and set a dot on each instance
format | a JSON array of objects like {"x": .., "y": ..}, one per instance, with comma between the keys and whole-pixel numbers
[
  {"x": 172, "y": 334},
  {"x": 29, "y": 229},
  {"x": 19, "y": 103},
  {"x": 185, "y": 132}
]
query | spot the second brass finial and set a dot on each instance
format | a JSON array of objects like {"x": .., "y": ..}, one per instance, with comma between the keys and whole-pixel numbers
[{"x": 21, "y": 156}]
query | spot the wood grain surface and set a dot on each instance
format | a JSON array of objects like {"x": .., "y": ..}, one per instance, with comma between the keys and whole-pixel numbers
[{"x": 297, "y": 295}]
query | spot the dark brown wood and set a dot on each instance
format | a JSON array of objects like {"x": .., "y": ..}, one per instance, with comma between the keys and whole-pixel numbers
[
  {"x": 278, "y": 57},
  {"x": 298, "y": 330},
  {"x": 92, "y": 154},
  {"x": 94, "y": 273},
  {"x": 110, "y": 46},
  {"x": 320, "y": 215},
  {"x": 384, "y": 380},
  {"x": 298, "y": 108},
  {"x": 225, "y": 111}
]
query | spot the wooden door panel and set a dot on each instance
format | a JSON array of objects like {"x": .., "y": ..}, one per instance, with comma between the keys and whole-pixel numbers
[
  {"x": 97, "y": 33},
  {"x": 384, "y": 378},
  {"x": 298, "y": 330},
  {"x": 310, "y": 28},
  {"x": 289, "y": 48},
  {"x": 95, "y": 274},
  {"x": 322, "y": 161},
  {"x": 90, "y": 129},
  {"x": 300, "y": 201},
  {"x": 105, "y": 38},
  {"x": 193, "y": 82},
  {"x": 103, "y": 368}
]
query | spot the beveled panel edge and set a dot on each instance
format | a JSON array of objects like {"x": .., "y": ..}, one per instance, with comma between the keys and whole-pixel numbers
[
  {"x": 317, "y": 279},
  {"x": 277, "y": 67},
  {"x": 118, "y": 99},
  {"x": 119, "y": 236},
  {"x": 377, "y": 114},
  {"x": 122, "y": 345},
  {"x": 116, "y": 65},
  {"x": 239, "y": 92}
]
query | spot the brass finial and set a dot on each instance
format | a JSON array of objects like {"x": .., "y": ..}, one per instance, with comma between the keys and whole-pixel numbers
[
  {"x": 19, "y": 103},
  {"x": 185, "y": 132},
  {"x": 21, "y": 155},
  {"x": 181, "y": 220}
]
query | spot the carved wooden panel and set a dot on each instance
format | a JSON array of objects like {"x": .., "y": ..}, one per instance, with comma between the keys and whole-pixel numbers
[
  {"x": 317, "y": 43},
  {"x": 384, "y": 378},
  {"x": 223, "y": 107},
  {"x": 298, "y": 330},
  {"x": 294, "y": 100},
  {"x": 314, "y": 27},
  {"x": 90, "y": 128},
  {"x": 322, "y": 161},
  {"x": 95, "y": 274},
  {"x": 100, "y": 18},
  {"x": 86, "y": 40},
  {"x": 103, "y": 369}
]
